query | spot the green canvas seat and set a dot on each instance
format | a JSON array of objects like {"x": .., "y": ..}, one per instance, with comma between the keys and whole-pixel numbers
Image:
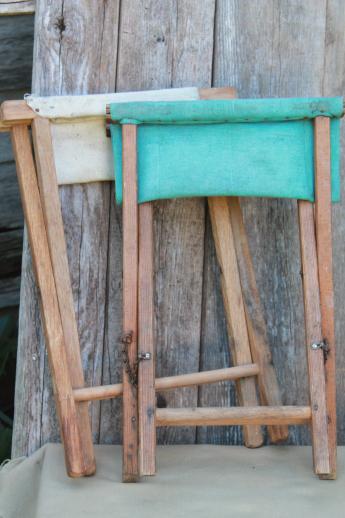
[{"x": 256, "y": 147}]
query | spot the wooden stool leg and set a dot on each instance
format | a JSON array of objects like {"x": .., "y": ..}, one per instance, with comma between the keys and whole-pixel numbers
[
  {"x": 130, "y": 468},
  {"x": 146, "y": 378},
  {"x": 315, "y": 354},
  {"x": 54, "y": 335},
  {"x": 267, "y": 379},
  {"x": 50, "y": 201},
  {"x": 234, "y": 308},
  {"x": 323, "y": 220}
]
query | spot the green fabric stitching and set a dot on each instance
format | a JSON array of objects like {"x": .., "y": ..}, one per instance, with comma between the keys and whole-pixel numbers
[
  {"x": 221, "y": 111},
  {"x": 272, "y": 158}
]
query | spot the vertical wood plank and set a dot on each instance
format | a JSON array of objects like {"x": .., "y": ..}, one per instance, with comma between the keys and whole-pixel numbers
[
  {"x": 215, "y": 343},
  {"x": 50, "y": 201},
  {"x": 111, "y": 410},
  {"x": 315, "y": 358},
  {"x": 288, "y": 60},
  {"x": 323, "y": 225},
  {"x": 267, "y": 378},
  {"x": 178, "y": 41},
  {"x": 333, "y": 84},
  {"x": 215, "y": 348},
  {"x": 263, "y": 51},
  {"x": 54, "y": 334},
  {"x": 234, "y": 308},
  {"x": 269, "y": 389},
  {"x": 268, "y": 386},
  {"x": 74, "y": 52},
  {"x": 146, "y": 382},
  {"x": 130, "y": 469}
]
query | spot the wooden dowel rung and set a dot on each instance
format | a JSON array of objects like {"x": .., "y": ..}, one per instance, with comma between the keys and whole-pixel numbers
[
  {"x": 203, "y": 378},
  {"x": 170, "y": 382},
  {"x": 98, "y": 393},
  {"x": 233, "y": 416}
]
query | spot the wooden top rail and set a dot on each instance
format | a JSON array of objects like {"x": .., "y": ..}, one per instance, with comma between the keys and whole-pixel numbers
[
  {"x": 16, "y": 7},
  {"x": 264, "y": 415},
  {"x": 13, "y": 113},
  {"x": 170, "y": 382},
  {"x": 19, "y": 112}
]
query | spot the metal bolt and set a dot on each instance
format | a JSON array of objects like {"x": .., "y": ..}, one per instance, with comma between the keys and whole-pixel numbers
[{"x": 144, "y": 356}]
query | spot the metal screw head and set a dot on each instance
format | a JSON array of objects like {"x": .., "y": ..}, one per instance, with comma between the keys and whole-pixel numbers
[{"x": 144, "y": 356}]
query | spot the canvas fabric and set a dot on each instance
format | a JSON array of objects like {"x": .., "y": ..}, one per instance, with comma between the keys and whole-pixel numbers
[{"x": 262, "y": 148}]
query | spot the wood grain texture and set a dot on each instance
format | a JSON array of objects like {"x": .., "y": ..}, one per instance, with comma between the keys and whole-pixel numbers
[
  {"x": 10, "y": 252},
  {"x": 17, "y": 7},
  {"x": 268, "y": 387},
  {"x": 264, "y": 49},
  {"x": 214, "y": 339},
  {"x": 130, "y": 209},
  {"x": 66, "y": 407},
  {"x": 246, "y": 416},
  {"x": 333, "y": 84},
  {"x": 267, "y": 378},
  {"x": 79, "y": 59},
  {"x": 234, "y": 307},
  {"x": 16, "y": 112},
  {"x": 16, "y": 42},
  {"x": 315, "y": 358},
  {"x": 9, "y": 292},
  {"x": 323, "y": 226},
  {"x": 146, "y": 370},
  {"x": 50, "y": 202},
  {"x": 178, "y": 41},
  {"x": 170, "y": 382},
  {"x": 11, "y": 232}
]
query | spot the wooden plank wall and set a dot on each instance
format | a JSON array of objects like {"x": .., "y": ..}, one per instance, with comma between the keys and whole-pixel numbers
[
  {"x": 16, "y": 43},
  {"x": 263, "y": 48}
]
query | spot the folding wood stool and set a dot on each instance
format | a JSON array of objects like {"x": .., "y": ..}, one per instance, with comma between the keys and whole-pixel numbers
[
  {"x": 39, "y": 175},
  {"x": 39, "y": 192},
  {"x": 253, "y": 148}
]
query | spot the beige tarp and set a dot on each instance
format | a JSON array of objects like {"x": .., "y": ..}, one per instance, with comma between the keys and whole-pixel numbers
[{"x": 193, "y": 481}]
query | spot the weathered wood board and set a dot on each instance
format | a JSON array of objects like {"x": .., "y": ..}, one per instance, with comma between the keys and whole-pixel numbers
[
  {"x": 16, "y": 7},
  {"x": 16, "y": 43},
  {"x": 264, "y": 49}
]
